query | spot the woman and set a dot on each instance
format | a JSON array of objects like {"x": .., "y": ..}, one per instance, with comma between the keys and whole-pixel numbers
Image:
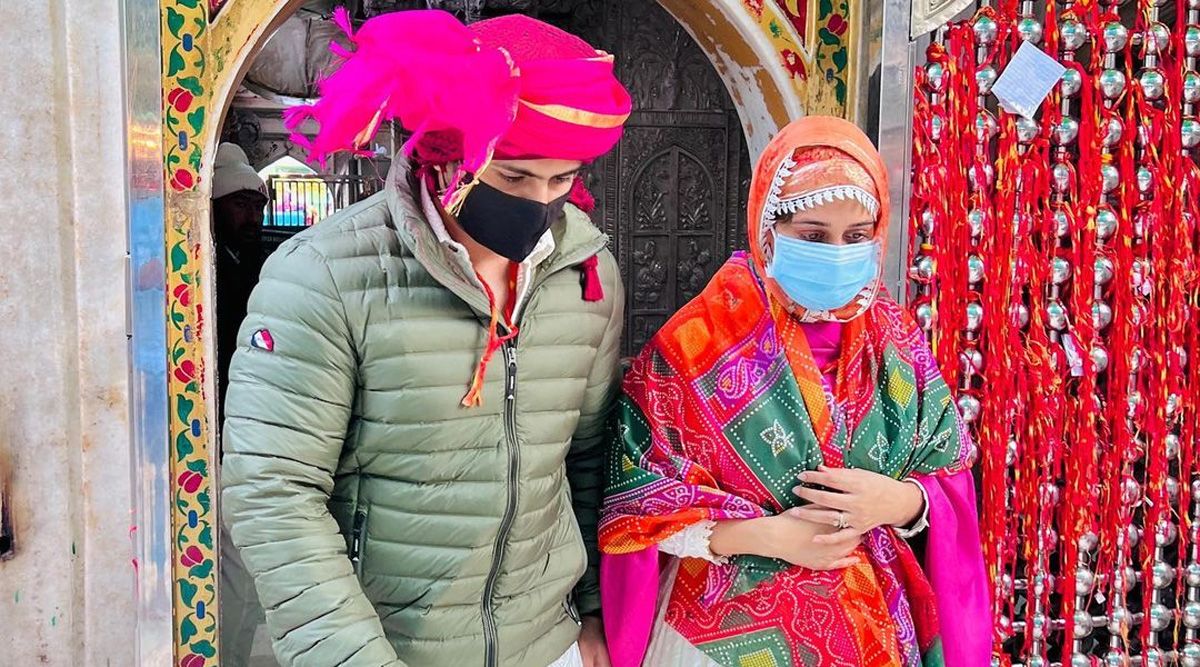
[{"x": 781, "y": 437}]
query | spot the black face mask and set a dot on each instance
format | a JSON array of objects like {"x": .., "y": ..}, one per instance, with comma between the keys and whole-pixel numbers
[{"x": 507, "y": 225}]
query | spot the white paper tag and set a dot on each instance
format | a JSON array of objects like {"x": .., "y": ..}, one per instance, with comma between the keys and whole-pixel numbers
[{"x": 1027, "y": 80}]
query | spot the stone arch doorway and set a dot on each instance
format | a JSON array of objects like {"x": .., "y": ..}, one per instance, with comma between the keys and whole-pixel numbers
[{"x": 669, "y": 196}]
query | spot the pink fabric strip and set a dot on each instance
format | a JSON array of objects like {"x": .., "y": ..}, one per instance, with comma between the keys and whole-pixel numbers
[
  {"x": 954, "y": 565},
  {"x": 629, "y": 600}
]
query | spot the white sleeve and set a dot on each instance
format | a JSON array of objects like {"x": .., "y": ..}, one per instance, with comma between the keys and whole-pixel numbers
[
  {"x": 922, "y": 521},
  {"x": 692, "y": 542}
]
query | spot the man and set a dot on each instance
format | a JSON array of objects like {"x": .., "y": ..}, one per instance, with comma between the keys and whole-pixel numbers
[
  {"x": 415, "y": 429},
  {"x": 239, "y": 195}
]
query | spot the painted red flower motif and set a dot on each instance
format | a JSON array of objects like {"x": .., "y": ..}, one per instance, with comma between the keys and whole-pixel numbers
[
  {"x": 186, "y": 371},
  {"x": 183, "y": 292},
  {"x": 794, "y": 64},
  {"x": 837, "y": 25},
  {"x": 192, "y": 660},
  {"x": 755, "y": 6},
  {"x": 182, "y": 180},
  {"x": 180, "y": 99},
  {"x": 190, "y": 481},
  {"x": 192, "y": 556}
]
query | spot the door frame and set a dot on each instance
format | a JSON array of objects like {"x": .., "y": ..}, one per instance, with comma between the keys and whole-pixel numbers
[{"x": 184, "y": 59}]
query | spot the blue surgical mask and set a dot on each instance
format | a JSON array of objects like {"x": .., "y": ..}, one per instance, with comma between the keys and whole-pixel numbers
[{"x": 822, "y": 276}]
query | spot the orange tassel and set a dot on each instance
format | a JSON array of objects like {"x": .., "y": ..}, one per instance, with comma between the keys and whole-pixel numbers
[{"x": 474, "y": 395}]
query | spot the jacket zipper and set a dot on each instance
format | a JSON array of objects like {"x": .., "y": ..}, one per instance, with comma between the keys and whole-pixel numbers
[
  {"x": 357, "y": 531},
  {"x": 510, "y": 508}
]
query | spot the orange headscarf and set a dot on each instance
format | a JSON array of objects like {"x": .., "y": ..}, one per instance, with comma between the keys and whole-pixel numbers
[{"x": 808, "y": 156}]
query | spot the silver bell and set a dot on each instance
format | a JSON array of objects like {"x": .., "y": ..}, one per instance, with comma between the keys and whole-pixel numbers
[
  {"x": 1057, "y": 315},
  {"x": 985, "y": 126},
  {"x": 924, "y": 316},
  {"x": 1106, "y": 223},
  {"x": 1171, "y": 446},
  {"x": 1191, "y": 615},
  {"x": 1102, "y": 315},
  {"x": 1060, "y": 270},
  {"x": 927, "y": 223},
  {"x": 1113, "y": 131},
  {"x": 1160, "y": 617},
  {"x": 1191, "y": 41},
  {"x": 1099, "y": 359},
  {"x": 1020, "y": 315},
  {"x": 1111, "y": 177},
  {"x": 1164, "y": 575},
  {"x": 975, "y": 221},
  {"x": 936, "y": 126},
  {"x": 922, "y": 269},
  {"x": 971, "y": 359},
  {"x": 1062, "y": 224},
  {"x": 1157, "y": 39},
  {"x": 1192, "y": 575},
  {"x": 1062, "y": 177},
  {"x": 1145, "y": 180}
]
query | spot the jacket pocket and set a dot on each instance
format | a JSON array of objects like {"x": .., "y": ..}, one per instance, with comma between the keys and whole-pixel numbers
[{"x": 358, "y": 539}]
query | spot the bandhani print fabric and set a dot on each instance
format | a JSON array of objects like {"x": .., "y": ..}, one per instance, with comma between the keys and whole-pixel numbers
[{"x": 720, "y": 413}]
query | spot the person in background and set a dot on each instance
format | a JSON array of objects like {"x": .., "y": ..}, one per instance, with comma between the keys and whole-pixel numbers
[
  {"x": 415, "y": 432},
  {"x": 782, "y": 438},
  {"x": 239, "y": 196}
]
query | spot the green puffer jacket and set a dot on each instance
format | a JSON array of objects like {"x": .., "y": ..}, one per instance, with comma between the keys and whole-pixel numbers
[{"x": 383, "y": 523}]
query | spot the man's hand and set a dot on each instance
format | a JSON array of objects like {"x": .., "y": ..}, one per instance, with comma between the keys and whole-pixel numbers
[
  {"x": 860, "y": 499},
  {"x": 591, "y": 643}
]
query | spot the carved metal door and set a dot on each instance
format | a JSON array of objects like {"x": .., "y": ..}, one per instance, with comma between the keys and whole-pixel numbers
[{"x": 672, "y": 194}]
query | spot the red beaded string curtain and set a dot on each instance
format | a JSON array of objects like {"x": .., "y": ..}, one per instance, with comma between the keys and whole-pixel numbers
[{"x": 1054, "y": 267}]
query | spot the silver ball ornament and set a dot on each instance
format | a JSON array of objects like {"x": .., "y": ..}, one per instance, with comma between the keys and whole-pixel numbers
[
  {"x": 1160, "y": 617},
  {"x": 1120, "y": 621},
  {"x": 1110, "y": 177},
  {"x": 1171, "y": 446},
  {"x": 1027, "y": 129},
  {"x": 1062, "y": 224},
  {"x": 1072, "y": 83},
  {"x": 1115, "y": 36},
  {"x": 1157, "y": 39},
  {"x": 975, "y": 221},
  {"x": 985, "y": 126},
  {"x": 969, "y": 407},
  {"x": 1191, "y": 615},
  {"x": 1191, "y": 41},
  {"x": 1189, "y": 131},
  {"x": 1191, "y": 87},
  {"x": 1085, "y": 581},
  {"x": 1189, "y": 656},
  {"x": 975, "y": 269},
  {"x": 922, "y": 269},
  {"x": 924, "y": 316},
  {"x": 1164, "y": 575},
  {"x": 935, "y": 77},
  {"x": 1104, "y": 268},
  {"x": 1062, "y": 176},
  {"x": 1066, "y": 131},
  {"x": 974, "y": 316},
  {"x": 1145, "y": 180},
  {"x": 1079, "y": 659},
  {"x": 1106, "y": 223},
  {"x": 1102, "y": 315},
  {"x": 1131, "y": 491},
  {"x": 971, "y": 359},
  {"x": 1113, "y": 131},
  {"x": 1192, "y": 575},
  {"x": 1099, "y": 359},
  {"x": 1073, "y": 34},
  {"x": 936, "y": 126},
  {"x": 1056, "y": 314},
  {"x": 1153, "y": 84},
  {"x": 1112, "y": 83},
  {"x": 1165, "y": 534},
  {"x": 1020, "y": 315},
  {"x": 1029, "y": 30},
  {"x": 985, "y": 78},
  {"x": 986, "y": 30},
  {"x": 1060, "y": 270}
]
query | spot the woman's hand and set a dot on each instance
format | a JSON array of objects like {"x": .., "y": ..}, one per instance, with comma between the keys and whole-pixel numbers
[
  {"x": 808, "y": 544},
  {"x": 788, "y": 537},
  {"x": 860, "y": 499}
]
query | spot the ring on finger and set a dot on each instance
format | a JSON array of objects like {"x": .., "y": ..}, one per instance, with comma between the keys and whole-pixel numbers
[{"x": 841, "y": 520}]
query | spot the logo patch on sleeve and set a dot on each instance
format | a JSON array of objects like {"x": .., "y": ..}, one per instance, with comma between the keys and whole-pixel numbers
[{"x": 262, "y": 340}]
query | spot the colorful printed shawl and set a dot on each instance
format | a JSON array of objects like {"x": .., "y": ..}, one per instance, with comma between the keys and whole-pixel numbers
[{"x": 723, "y": 410}]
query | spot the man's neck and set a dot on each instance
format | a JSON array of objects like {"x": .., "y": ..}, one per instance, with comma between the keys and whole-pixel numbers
[{"x": 491, "y": 267}]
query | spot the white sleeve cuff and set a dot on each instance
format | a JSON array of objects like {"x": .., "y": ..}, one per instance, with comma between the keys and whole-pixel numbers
[
  {"x": 922, "y": 521},
  {"x": 693, "y": 542}
]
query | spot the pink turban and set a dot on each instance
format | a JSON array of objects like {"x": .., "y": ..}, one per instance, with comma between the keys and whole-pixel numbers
[{"x": 510, "y": 87}]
